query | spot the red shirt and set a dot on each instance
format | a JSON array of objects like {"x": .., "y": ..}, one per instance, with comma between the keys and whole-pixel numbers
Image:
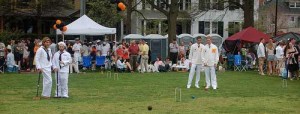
[
  {"x": 133, "y": 49},
  {"x": 126, "y": 55},
  {"x": 120, "y": 52}
]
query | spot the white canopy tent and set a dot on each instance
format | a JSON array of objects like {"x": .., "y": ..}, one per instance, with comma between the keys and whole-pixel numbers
[{"x": 86, "y": 26}]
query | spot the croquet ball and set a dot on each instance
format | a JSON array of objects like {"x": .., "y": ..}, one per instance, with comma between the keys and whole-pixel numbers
[
  {"x": 193, "y": 97},
  {"x": 149, "y": 108}
]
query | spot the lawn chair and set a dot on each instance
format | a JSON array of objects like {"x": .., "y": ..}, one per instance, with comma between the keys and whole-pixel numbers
[
  {"x": 239, "y": 65},
  {"x": 87, "y": 61},
  {"x": 100, "y": 61}
]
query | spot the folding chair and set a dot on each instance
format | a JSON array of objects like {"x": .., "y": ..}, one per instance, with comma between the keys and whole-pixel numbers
[
  {"x": 100, "y": 61},
  {"x": 238, "y": 66},
  {"x": 87, "y": 61},
  {"x": 2, "y": 64}
]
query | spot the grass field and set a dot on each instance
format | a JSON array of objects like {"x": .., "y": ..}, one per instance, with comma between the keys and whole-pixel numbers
[{"x": 94, "y": 93}]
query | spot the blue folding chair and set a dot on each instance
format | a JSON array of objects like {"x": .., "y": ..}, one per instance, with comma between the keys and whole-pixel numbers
[
  {"x": 87, "y": 61},
  {"x": 100, "y": 60},
  {"x": 238, "y": 66}
]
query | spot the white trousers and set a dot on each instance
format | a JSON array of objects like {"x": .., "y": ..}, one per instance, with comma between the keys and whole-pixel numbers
[
  {"x": 47, "y": 83},
  {"x": 197, "y": 68},
  {"x": 76, "y": 59},
  {"x": 62, "y": 84},
  {"x": 210, "y": 77}
]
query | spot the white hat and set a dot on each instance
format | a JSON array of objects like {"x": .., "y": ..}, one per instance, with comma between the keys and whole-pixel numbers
[
  {"x": 98, "y": 41},
  {"x": 62, "y": 43},
  {"x": 9, "y": 47},
  {"x": 104, "y": 42}
]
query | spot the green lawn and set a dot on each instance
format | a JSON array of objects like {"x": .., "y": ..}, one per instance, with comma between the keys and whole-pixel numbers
[{"x": 94, "y": 93}]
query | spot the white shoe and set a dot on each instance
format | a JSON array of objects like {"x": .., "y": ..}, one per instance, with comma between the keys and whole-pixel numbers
[
  {"x": 197, "y": 86},
  {"x": 188, "y": 87}
]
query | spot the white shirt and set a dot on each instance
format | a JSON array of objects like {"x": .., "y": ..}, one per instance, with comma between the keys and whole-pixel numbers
[
  {"x": 2, "y": 48},
  {"x": 173, "y": 48},
  {"x": 279, "y": 52},
  {"x": 76, "y": 48},
  {"x": 41, "y": 59},
  {"x": 196, "y": 53},
  {"x": 120, "y": 64},
  {"x": 85, "y": 50},
  {"x": 211, "y": 55},
  {"x": 105, "y": 49},
  {"x": 65, "y": 58},
  {"x": 10, "y": 62},
  {"x": 261, "y": 50}
]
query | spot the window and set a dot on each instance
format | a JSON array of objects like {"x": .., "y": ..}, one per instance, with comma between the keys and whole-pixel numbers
[
  {"x": 217, "y": 4},
  {"x": 23, "y": 3},
  {"x": 232, "y": 6},
  {"x": 297, "y": 4},
  {"x": 206, "y": 27},
  {"x": 152, "y": 27},
  {"x": 142, "y": 27},
  {"x": 204, "y": 5},
  {"x": 187, "y": 4},
  {"x": 163, "y": 4},
  {"x": 294, "y": 4},
  {"x": 180, "y": 4},
  {"x": 233, "y": 27},
  {"x": 146, "y": 5}
]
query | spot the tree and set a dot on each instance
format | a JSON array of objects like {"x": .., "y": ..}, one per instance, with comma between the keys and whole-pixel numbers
[
  {"x": 34, "y": 8},
  {"x": 103, "y": 12},
  {"x": 266, "y": 19},
  {"x": 171, "y": 15}
]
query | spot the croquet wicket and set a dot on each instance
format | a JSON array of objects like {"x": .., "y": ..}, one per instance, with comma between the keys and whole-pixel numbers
[
  {"x": 178, "y": 91},
  {"x": 116, "y": 76},
  {"x": 108, "y": 74}
]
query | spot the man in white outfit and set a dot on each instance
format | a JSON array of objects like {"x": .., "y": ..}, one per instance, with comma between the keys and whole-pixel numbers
[
  {"x": 61, "y": 61},
  {"x": 43, "y": 64},
  {"x": 211, "y": 59},
  {"x": 105, "y": 51},
  {"x": 77, "y": 54},
  {"x": 196, "y": 57},
  {"x": 261, "y": 56}
]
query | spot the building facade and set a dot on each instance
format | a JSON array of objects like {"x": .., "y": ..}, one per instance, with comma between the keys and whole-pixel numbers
[
  {"x": 195, "y": 16},
  {"x": 288, "y": 15}
]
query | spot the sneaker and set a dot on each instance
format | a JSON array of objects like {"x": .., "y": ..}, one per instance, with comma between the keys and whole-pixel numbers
[
  {"x": 188, "y": 87},
  {"x": 262, "y": 74},
  {"x": 197, "y": 86}
]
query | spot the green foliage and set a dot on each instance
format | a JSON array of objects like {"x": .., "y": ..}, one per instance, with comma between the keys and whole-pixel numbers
[{"x": 103, "y": 12}]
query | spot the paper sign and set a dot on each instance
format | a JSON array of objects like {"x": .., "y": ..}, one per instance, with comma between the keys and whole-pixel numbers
[{"x": 214, "y": 50}]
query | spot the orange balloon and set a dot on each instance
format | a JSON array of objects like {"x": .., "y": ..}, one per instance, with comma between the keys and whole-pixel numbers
[
  {"x": 58, "y": 22},
  {"x": 122, "y": 6},
  {"x": 54, "y": 27},
  {"x": 65, "y": 28}
]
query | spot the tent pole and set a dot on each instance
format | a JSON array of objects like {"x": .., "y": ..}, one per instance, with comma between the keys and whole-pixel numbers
[
  {"x": 63, "y": 36},
  {"x": 115, "y": 37}
]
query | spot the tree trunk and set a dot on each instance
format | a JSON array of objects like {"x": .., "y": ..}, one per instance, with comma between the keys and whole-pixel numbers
[
  {"x": 171, "y": 27},
  {"x": 128, "y": 17},
  {"x": 248, "y": 13},
  {"x": 38, "y": 18},
  {"x": 2, "y": 24},
  {"x": 172, "y": 19}
]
